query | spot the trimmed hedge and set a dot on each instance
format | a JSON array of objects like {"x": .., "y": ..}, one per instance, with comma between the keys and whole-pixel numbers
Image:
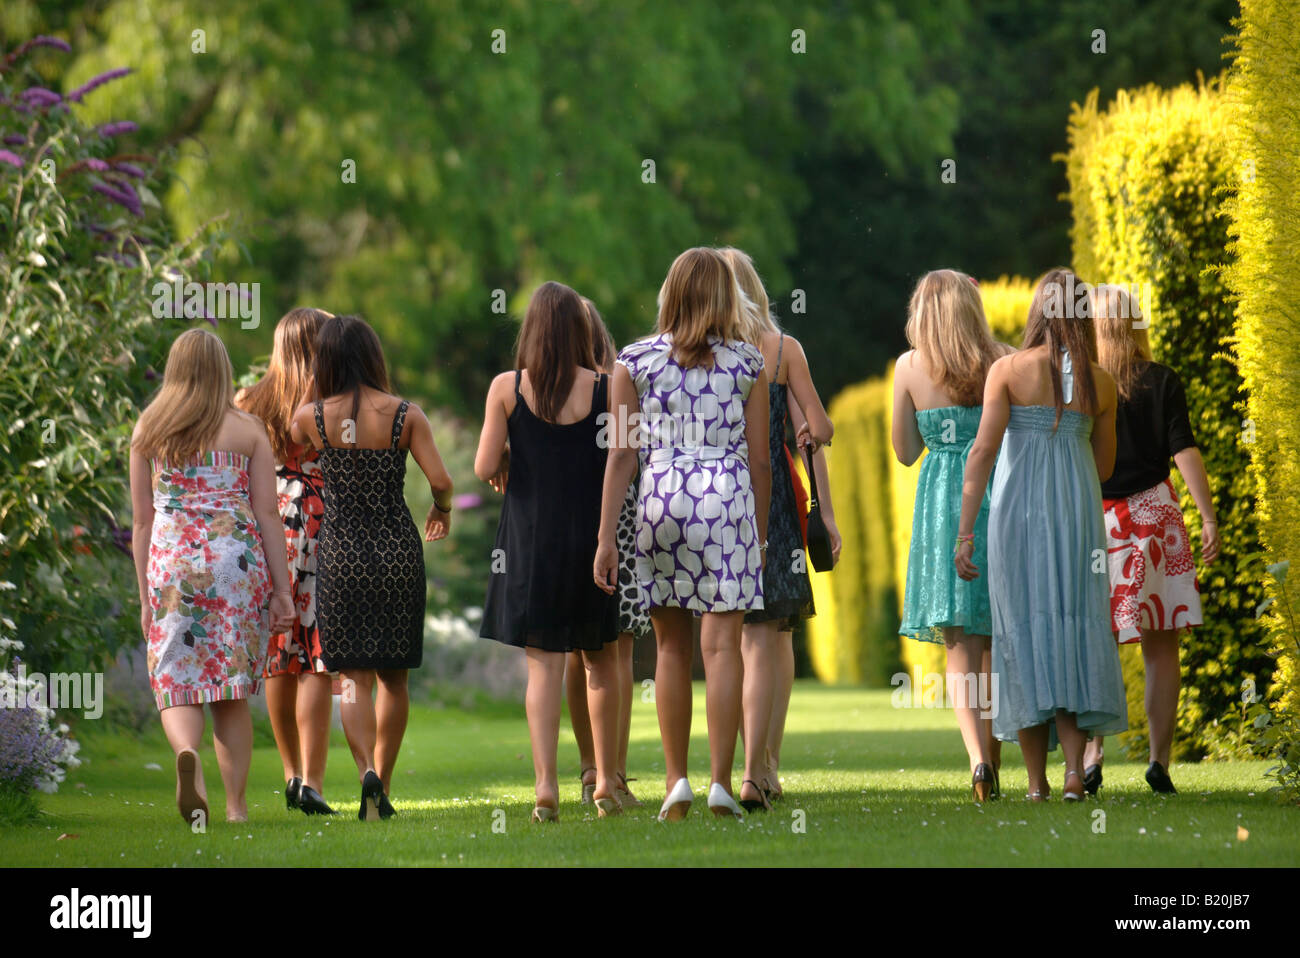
[
  {"x": 1006, "y": 305},
  {"x": 1147, "y": 177}
]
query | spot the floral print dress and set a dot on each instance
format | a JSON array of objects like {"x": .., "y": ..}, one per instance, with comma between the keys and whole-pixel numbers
[
  {"x": 299, "y": 484},
  {"x": 208, "y": 583}
]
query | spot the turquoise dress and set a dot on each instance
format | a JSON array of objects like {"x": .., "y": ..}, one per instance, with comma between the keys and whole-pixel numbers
[
  {"x": 1049, "y": 582},
  {"x": 935, "y": 596}
]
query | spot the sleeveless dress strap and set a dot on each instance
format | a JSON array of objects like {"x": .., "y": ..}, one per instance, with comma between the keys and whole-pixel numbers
[
  {"x": 1067, "y": 376},
  {"x": 319, "y": 408},
  {"x": 399, "y": 421},
  {"x": 780, "y": 348},
  {"x": 600, "y": 394},
  {"x": 519, "y": 373}
]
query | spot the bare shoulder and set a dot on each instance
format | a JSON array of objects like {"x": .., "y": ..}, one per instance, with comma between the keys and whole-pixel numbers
[
  {"x": 245, "y": 421},
  {"x": 1105, "y": 385},
  {"x": 1005, "y": 349}
]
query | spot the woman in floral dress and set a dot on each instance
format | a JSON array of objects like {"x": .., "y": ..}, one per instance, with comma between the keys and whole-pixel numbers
[
  {"x": 298, "y": 686},
  {"x": 698, "y": 399},
  {"x": 202, "y": 491}
]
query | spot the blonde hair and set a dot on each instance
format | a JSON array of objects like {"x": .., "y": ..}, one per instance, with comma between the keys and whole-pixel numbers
[
  {"x": 1122, "y": 346},
  {"x": 756, "y": 308},
  {"x": 947, "y": 328},
  {"x": 699, "y": 299},
  {"x": 288, "y": 381},
  {"x": 198, "y": 389}
]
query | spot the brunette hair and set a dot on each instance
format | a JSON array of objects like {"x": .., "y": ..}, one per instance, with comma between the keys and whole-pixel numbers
[
  {"x": 288, "y": 381},
  {"x": 349, "y": 356},
  {"x": 603, "y": 350},
  {"x": 555, "y": 338},
  {"x": 1061, "y": 318}
]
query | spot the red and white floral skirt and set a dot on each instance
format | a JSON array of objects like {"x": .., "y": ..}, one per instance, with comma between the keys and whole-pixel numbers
[{"x": 1152, "y": 569}]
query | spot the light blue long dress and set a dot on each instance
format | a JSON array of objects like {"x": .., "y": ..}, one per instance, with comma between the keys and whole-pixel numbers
[
  {"x": 935, "y": 596},
  {"x": 1049, "y": 583}
]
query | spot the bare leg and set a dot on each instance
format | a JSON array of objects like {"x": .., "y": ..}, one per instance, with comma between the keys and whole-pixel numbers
[
  {"x": 575, "y": 693},
  {"x": 281, "y": 707},
  {"x": 542, "y": 701},
  {"x": 604, "y": 678},
  {"x": 392, "y": 708},
  {"x": 992, "y": 746},
  {"x": 676, "y": 649},
  {"x": 1072, "y": 742},
  {"x": 758, "y": 651},
  {"x": 1163, "y": 681},
  {"x": 1033, "y": 745},
  {"x": 965, "y": 656},
  {"x": 232, "y": 730},
  {"x": 782, "y": 687},
  {"x": 315, "y": 703},
  {"x": 723, "y": 683},
  {"x": 358, "y": 712},
  {"x": 183, "y": 725},
  {"x": 626, "y": 647},
  {"x": 1094, "y": 753}
]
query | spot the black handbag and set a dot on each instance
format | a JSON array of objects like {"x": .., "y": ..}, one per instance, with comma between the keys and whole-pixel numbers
[{"x": 819, "y": 538}]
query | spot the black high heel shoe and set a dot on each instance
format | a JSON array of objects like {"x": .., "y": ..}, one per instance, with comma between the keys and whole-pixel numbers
[
  {"x": 1159, "y": 779},
  {"x": 1092, "y": 778},
  {"x": 759, "y": 804},
  {"x": 981, "y": 783},
  {"x": 311, "y": 802},
  {"x": 372, "y": 793},
  {"x": 292, "y": 793},
  {"x": 997, "y": 785}
]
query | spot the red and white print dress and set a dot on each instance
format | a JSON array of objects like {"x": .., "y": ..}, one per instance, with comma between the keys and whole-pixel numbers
[
  {"x": 208, "y": 583},
  {"x": 299, "y": 483}
]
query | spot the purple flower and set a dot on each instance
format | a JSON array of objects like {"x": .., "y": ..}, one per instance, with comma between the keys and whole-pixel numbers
[
  {"x": 15, "y": 139},
  {"x": 117, "y": 128},
  {"x": 13, "y": 159},
  {"x": 41, "y": 41},
  {"x": 91, "y": 163},
  {"x": 40, "y": 96},
  {"x": 150, "y": 375},
  {"x": 466, "y": 500},
  {"x": 76, "y": 95},
  {"x": 130, "y": 169},
  {"x": 120, "y": 194}
]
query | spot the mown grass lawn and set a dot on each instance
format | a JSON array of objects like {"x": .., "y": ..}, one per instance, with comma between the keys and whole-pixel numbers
[{"x": 870, "y": 784}]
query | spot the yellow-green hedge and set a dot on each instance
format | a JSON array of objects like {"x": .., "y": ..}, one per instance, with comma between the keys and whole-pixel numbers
[
  {"x": 1264, "y": 277},
  {"x": 1147, "y": 177},
  {"x": 1006, "y": 305}
]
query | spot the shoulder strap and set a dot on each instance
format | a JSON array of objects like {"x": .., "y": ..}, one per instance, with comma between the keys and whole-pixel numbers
[
  {"x": 780, "y": 348},
  {"x": 399, "y": 421},
  {"x": 320, "y": 423},
  {"x": 519, "y": 373}
]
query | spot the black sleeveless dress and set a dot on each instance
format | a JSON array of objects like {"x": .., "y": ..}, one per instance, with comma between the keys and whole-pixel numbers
[
  {"x": 370, "y": 559},
  {"x": 541, "y": 594},
  {"x": 787, "y": 591}
]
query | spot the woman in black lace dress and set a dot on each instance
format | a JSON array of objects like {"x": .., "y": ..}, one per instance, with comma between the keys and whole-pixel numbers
[
  {"x": 370, "y": 561},
  {"x": 767, "y": 643}
]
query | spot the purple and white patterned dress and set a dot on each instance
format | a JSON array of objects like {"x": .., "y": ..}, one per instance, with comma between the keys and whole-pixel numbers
[{"x": 696, "y": 540}]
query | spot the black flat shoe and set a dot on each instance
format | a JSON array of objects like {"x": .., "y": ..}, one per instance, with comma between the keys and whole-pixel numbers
[
  {"x": 754, "y": 804},
  {"x": 311, "y": 802},
  {"x": 372, "y": 793},
  {"x": 292, "y": 793},
  {"x": 981, "y": 783},
  {"x": 1159, "y": 779},
  {"x": 1092, "y": 778}
]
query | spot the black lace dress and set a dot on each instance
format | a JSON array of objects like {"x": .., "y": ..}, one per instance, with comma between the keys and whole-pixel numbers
[
  {"x": 787, "y": 591},
  {"x": 370, "y": 558}
]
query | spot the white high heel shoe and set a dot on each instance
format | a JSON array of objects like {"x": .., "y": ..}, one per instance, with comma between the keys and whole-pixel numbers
[
  {"x": 720, "y": 803},
  {"x": 678, "y": 802}
]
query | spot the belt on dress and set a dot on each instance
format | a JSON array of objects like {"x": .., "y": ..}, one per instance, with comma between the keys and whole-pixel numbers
[{"x": 694, "y": 454}]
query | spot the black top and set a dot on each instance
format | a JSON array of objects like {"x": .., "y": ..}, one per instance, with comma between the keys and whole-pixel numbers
[
  {"x": 541, "y": 593},
  {"x": 1150, "y": 427}
]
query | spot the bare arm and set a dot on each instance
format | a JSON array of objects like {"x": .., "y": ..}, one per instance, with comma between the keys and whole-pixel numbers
[
  {"x": 1103, "y": 426},
  {"x": 141, "y": 531},
  {"x": 425, "y": 453},
  {"x": 266, "y": 508},
  {"x": 758, "y": 437},
  {"x": 904, "y": 432},
  {"x": 620, "y": 467},
  {"x": 979, "y": 461},
  {"x": 302, "y": 427},
  {"x": 496, "y": 432},
  {"x": 1192, "y": 467},
  {"x": 821, "y": 472},
  {"x": 820, "y": 428}
]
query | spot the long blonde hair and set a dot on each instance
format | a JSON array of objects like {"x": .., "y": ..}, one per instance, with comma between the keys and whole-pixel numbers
[
  {"x": 1122, "y": 346},
  {"x": 198, "y": 389},
  {"x": 756, "y": 309},
  {"x": 288, "y": 381},
  {"x": 699, "y": 299},
  {"x": 947, "y": 328}
]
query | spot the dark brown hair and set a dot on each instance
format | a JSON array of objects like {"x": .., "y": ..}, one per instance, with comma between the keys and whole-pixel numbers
[
  {"x": 349, "y": 356},
  {"x": 554, "y": 339},
  {"x": 603, "y": 349},
  {"x": 288, "y": 380},
  {"x": 1060, "y": 317}
]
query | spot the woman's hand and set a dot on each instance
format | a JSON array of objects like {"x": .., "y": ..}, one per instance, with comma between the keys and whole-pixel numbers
[
  {"x": 146, "y": 618},
  {"x": 437, "y": 524},
  {"x": 283, "y": 613},
  {"x": 498, "y": 482},
  {"x": 836, "y": 542},
  {"x": 965, "y": 568},
  {"x": 605, "y": 568},
  {"x": 1209, "y": 541},
  {"x": 803, "y": 438}
]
